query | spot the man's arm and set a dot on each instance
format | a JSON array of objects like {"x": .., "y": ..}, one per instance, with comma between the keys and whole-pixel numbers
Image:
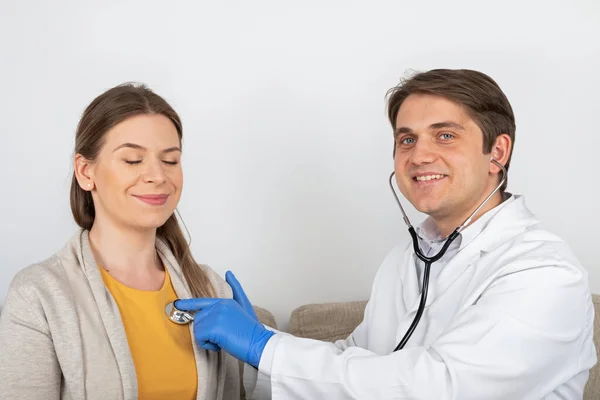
[{"x": 521, "y": 340}]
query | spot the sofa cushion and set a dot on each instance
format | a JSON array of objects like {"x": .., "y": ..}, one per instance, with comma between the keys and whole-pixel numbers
[
  {"x": 592, "y": 388},
  {"x": 265, "y": 317},
  {"x": 328, "y": 322}
]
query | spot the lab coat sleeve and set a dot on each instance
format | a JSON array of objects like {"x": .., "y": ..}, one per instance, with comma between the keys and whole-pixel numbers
[
  {"x": 520, "y": 340},
  {"x": 29, "y": 367},
  {"x": 256, "y": 384}
]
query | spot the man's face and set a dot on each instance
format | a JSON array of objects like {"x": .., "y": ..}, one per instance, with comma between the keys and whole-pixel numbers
[{"x": 439, "y": 162}]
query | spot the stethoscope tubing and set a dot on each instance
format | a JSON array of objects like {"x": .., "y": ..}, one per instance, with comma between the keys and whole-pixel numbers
[{"x": 430, "y": 260}]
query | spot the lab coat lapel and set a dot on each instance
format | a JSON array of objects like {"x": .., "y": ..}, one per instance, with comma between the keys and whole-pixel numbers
[
  {"x": 451, "y": 272},
  {"x": 411, "y": 286},
  {"x": 509, "y": 222},
  {"x": 455, "y": 269}
]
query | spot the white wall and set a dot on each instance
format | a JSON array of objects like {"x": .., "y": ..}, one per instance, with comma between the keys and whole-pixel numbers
[{"x": 286, "y": 146}]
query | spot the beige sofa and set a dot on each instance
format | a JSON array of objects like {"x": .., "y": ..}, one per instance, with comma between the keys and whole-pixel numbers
[{"x": 333, "y": 321}]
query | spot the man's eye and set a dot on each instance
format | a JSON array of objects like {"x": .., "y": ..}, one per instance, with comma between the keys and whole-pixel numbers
[
  {"x": 446, "y": 136},
  {"x": 407, "y": 141}
]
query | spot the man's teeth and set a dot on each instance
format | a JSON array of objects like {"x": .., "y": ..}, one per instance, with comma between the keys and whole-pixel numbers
[{"x": 429, "y": 177}]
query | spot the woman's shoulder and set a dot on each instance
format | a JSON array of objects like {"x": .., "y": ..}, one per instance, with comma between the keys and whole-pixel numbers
[
  {"x": 39, "y": 275},
  {"x": 45, "y": 278},
  {"x": 35, "y": 287}
]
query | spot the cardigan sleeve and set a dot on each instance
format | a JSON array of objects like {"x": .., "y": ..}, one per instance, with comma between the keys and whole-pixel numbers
[{"x": 29, "y": 367}]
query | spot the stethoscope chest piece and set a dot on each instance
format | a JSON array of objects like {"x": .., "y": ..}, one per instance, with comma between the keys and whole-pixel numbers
[{"x": 177, "y": 316}]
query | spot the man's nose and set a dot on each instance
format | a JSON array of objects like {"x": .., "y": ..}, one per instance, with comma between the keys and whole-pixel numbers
[{"x": 423, "y": 152}]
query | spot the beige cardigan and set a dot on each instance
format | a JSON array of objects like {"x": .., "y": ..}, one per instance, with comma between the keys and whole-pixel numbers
[{"x": 61, "y": 334}]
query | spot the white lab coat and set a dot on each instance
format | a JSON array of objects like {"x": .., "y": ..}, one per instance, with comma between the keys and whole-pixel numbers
[{"x": 510, "y": 316}]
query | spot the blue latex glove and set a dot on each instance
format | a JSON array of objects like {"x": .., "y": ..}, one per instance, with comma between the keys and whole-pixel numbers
[
  {"x": 239, "y": 295},
  {"x": 223, "y": 323}
]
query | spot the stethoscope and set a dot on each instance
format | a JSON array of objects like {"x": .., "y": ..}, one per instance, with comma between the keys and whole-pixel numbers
[
  {"x": 181, "y": 317},
  {"x": 177, "y": 316},
  {"x": 430, "y": 260}
]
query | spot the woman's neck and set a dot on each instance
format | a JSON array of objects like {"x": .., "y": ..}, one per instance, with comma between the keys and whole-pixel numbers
[{"x": 125, "y": 252}]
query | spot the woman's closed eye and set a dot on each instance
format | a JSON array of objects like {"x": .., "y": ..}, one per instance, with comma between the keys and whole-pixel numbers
[{"x": 133, "y": 162}]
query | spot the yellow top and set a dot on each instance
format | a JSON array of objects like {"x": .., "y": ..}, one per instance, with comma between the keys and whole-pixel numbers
[{"x": 162, "y": 351}]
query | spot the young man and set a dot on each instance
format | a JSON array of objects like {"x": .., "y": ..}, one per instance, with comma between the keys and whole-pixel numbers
[{"x": 508, "y": 313}]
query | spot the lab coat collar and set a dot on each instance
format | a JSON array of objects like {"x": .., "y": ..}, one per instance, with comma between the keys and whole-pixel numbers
[
  {"x": 509, "y": 222},
  {"x": 430, "y": 234},
  {"x": 506, "y": 222}
]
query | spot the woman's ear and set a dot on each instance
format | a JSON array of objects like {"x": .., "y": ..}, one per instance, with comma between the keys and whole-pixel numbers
[
  {"x": 83, "y": 172},
  {"x": 500, "y": 152}
]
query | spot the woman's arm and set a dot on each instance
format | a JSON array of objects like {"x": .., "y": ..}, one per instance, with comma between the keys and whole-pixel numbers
[{"x": 29, "y": 368}]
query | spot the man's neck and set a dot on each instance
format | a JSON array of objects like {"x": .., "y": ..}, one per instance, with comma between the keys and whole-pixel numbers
[
  {"x": 124, "y": 250},
  {"x": 446, "y": 225}
]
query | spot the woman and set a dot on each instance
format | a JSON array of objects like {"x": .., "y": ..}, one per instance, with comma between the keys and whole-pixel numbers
[{"x": 89, "y": 322}]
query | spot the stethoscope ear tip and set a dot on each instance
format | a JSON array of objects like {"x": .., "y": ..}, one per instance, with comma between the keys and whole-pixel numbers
[{"x": 177, "y": 316}]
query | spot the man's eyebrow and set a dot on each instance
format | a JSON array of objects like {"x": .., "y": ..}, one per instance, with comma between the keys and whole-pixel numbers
[
  {"x": 438, "y": 125},
  {"x": 446, "y": 124},
  {"x": 401, "y": 130}
]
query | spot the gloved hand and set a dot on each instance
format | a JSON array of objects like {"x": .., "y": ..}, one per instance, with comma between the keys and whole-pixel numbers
[
  {"x": 223, "y": 323},
  {"x": 239, "y": 295}
]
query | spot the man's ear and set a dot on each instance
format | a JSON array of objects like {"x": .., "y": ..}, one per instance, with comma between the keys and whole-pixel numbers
[
  {"x": 84, "y": 172},
  {"x": 500, "y": 152}
]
